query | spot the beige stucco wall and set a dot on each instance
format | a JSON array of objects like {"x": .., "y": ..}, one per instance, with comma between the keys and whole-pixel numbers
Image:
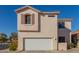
[
  {"x": 62, "y": 46},
  {"x": 68, "y": 25},
  {"x": 48, "y": 28},
  {"x": 27, "y": 26}
]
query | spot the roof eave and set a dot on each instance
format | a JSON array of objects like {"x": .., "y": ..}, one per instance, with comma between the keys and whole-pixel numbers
[
  {"x": 66, "y": 19},
  {"x": 24, "y": 8},
  {"x": 55, "y": 12}
]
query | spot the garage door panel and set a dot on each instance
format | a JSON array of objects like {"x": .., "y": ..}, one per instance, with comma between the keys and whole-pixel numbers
[{"x": 38, "y": 44}]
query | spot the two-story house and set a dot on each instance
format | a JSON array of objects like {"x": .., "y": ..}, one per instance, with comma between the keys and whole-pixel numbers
[{"x": 42, "y": 31}]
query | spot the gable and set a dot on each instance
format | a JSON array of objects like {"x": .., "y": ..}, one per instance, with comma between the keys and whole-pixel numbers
[{"x": 25, "y": 8}]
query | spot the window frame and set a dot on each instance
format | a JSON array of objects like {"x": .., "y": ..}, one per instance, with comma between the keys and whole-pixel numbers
[
  {"x": 51, "y": 15},
  {"x": 25, "y": 19},
  {"x": 60, "y": 26}
]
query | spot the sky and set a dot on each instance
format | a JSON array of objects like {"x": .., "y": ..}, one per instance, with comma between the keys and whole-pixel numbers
[{"x": 8, "y": 17}]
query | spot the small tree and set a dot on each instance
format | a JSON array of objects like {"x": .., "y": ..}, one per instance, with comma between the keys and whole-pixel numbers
[
  {"x": 13, "y": 38},
  {"x": 3, "y": 37}
]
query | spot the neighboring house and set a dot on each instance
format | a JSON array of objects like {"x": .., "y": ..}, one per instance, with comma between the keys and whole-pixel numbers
[
  {"x": 42, "y": 31},
  {"x": 75, "y": 38}
]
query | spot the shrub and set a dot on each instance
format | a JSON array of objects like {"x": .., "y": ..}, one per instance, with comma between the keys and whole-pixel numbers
[
  {"x": 13, "y": 47},
  {"x": 72, "y": 45}
]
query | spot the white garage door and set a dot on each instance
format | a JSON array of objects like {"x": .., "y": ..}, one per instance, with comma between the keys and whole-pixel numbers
[{"x": 38, "y": 44}]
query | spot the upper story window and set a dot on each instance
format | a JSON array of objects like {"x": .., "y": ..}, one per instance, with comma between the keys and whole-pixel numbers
[
  {"x": 51, "y": 15},
  {"x": 27, "y": 19},
  {"x": 61, "y": 25}
]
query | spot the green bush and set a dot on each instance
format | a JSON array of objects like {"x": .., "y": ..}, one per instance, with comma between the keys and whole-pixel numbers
[
  {"x": 13, "y": 47},
  {"x": 72, "y": 45}
]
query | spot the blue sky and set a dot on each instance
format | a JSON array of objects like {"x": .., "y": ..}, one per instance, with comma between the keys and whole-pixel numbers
[{"x": 8, "y": 18}]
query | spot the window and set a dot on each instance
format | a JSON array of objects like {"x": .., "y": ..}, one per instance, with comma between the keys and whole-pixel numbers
[
  {"x": 61, "y": 39},
  {"x": 61, "y": 25},
  {"x": 51, "y": 15},
  {"x": 27, "y": 19}
]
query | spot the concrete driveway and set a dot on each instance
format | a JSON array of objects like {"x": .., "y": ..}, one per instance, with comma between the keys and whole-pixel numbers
[{"x": 73, "y": 50}]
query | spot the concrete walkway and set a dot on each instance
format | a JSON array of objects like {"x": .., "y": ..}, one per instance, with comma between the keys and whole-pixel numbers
[{"x": 4, "y": 51}]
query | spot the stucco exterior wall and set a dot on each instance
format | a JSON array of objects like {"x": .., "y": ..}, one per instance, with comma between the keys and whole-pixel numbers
[
  {"x": 48, "y": 28},
  {"x": 62, "y": 46},
  {"x": 27, "y": 26},
  {"x": 68, "y": 25}
]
